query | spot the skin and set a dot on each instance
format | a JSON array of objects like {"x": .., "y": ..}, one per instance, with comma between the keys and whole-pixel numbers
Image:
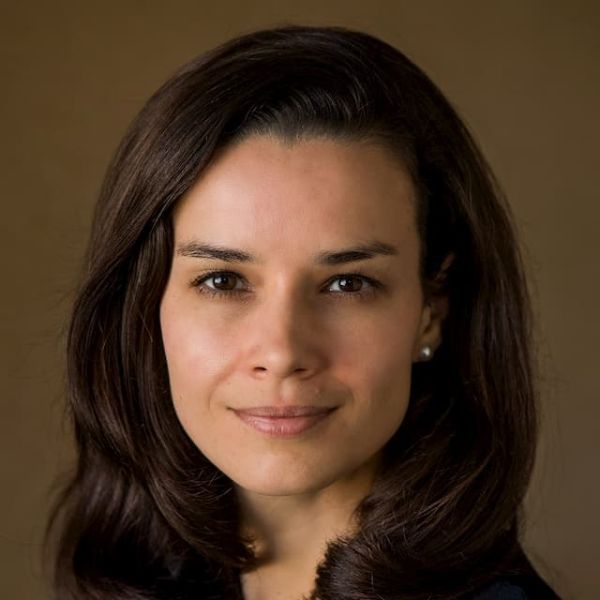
[{"x": 297, "y": 333}]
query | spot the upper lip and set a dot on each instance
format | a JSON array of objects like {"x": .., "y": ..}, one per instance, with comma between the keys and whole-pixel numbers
[{"x": 284, "y": 411}]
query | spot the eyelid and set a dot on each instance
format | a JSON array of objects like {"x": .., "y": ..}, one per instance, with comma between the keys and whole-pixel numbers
[
  {"x": 198, "y": 281},
  {"x": 374, "y": 285}
]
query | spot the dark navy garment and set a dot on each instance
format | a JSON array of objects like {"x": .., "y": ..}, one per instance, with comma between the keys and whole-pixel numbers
[
  {"x": 502, "y": 591},
  {"x": 532, "y": 588}
]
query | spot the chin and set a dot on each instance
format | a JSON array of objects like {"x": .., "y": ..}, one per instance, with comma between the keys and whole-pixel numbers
[{"x": 282, "y": 482}]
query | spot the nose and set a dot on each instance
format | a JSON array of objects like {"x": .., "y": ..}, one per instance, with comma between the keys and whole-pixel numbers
[{"x": 285, "y": 339}]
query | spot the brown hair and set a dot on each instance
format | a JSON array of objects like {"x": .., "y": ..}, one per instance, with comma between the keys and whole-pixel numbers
[{"x": 145, "y": 514}]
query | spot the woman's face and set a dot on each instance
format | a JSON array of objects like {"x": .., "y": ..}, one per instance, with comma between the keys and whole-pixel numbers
[{"x": 317, "y": 302}]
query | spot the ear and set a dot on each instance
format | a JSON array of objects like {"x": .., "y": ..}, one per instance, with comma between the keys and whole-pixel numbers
[{"x": 435, "y": 309}]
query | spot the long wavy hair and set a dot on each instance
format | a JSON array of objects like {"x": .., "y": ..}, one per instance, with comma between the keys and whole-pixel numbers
[{"x": 145, "y": 514}]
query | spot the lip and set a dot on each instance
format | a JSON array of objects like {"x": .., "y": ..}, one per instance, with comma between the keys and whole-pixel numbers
[
  {"x": 284, "y": 411},
  {"x": 283, "y": 421}
]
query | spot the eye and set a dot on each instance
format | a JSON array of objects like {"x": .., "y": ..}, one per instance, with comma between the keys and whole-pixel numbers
[
  {"x": 349, "y": 285},
  {"x": 353, "y": 283},
  {"x": 223, "y": 282}
]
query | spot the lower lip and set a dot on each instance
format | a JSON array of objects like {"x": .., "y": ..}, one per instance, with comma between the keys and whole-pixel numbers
[{"x": 283, "y": 427}]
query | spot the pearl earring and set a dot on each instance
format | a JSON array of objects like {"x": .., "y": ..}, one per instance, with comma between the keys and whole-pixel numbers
[{"x": 425, "y": 353}]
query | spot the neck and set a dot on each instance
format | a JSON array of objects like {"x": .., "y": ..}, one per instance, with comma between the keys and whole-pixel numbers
[{"x": 290, "y": 533}]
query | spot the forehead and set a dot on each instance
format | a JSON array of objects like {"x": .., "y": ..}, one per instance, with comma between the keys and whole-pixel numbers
[{"x": 264, "y": 191}]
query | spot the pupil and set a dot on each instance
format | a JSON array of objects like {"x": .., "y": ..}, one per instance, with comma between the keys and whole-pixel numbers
[
  {"x": 219, "y": 280},
  {"x": 346, "y": 283}
]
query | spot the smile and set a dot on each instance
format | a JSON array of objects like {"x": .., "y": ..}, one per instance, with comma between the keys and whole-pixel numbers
[{"x": 283, "y": 427}]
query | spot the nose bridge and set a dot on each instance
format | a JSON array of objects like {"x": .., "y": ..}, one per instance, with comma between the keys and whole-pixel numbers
[{"x": 284, "y": 330}]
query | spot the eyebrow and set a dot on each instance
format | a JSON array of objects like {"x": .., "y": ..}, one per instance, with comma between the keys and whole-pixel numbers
[{"x": 365, "y": 251}]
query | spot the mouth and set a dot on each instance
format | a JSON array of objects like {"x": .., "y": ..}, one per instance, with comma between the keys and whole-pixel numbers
[
  {"x": 284, "y": 411},
  {"x": 284, "y": 421}
]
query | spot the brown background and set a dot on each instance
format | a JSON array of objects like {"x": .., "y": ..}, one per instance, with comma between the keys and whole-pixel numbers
[{"x": 524, "y": 75}]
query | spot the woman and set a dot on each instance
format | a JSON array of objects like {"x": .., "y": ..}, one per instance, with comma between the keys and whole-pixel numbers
[{"x": 299, "y": 363}]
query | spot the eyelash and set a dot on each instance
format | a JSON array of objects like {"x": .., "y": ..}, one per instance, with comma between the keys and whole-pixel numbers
[{"x": 227, "y": 294}]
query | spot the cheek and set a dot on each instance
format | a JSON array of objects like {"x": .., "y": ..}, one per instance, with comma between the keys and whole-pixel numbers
[
  {"x": 378, "y": 351},
  {"x": 375, "y": 361},
  {"x": 198, "y": 355}
]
